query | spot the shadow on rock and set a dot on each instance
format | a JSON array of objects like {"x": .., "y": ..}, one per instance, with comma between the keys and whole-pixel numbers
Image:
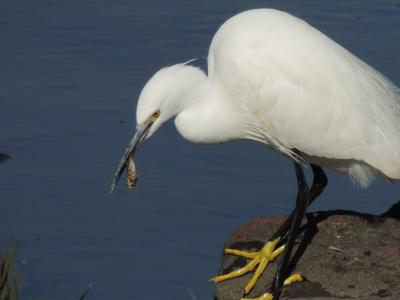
[
  {"x": 342, "y": 254},
  {"x": 310, "y": 229},
  {"x": 393, "y": 212}
]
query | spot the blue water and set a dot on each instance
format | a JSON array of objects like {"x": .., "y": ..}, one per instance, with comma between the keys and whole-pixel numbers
[{"x": 70, "y": 75}]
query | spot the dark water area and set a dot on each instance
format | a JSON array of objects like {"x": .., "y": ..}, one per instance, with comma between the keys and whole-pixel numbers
[{"x": 70, "y": 75}]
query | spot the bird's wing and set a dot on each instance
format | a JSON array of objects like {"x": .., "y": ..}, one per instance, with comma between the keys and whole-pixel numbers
[{"x": 311, "y": 94}]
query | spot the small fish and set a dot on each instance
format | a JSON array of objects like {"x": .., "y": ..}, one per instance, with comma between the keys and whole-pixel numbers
[{"x": 132, "y": 178}]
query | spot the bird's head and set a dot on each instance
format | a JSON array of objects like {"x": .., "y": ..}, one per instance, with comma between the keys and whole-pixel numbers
[{"x": 162, "y": 98}]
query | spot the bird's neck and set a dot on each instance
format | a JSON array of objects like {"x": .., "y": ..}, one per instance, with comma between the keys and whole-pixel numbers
[
  {"x": 206, "y": 114},
  {"x": 191, "y": 89}
]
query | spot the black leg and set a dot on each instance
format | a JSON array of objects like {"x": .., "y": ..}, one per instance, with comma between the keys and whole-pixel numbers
[
  {"x": 292, "y": 224},
  {"x": 319, "y": 183},
  {"x": 302, "y": 201}
]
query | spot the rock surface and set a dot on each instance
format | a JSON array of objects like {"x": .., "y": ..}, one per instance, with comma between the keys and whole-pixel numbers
[{"x": 342, "y": 255}]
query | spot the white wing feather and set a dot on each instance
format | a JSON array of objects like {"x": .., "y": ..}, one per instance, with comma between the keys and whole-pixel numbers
[{"x": 308, "y": 92}]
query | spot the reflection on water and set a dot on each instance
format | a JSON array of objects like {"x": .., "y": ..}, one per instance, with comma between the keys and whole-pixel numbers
[{"x": 71, "y": 72}]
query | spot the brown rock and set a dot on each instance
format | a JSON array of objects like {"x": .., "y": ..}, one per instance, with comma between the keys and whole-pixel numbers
[{"x": 342, "y": 255}]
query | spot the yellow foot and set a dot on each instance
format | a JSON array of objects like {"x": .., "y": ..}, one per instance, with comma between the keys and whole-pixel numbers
[
  {"x": 293, "y": 278},
  {"x": 260, "y": 258},
  {"x": 267, "y": 296}
]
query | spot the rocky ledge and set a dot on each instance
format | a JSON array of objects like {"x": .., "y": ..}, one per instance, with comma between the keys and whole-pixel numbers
[{"x": 341, "y": 254}]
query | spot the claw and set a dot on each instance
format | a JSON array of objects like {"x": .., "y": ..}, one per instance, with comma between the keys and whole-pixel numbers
[
  {"x": 261, "y": 258},
  {"x": 265, "y": 296},
  {"x": 239, "y": 272},
  {"x": 256, "y": 275},
  {"x": 240, "y": 253},
  {"x": 293, "y": 278}
]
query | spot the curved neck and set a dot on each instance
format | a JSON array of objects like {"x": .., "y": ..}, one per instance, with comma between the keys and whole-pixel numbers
[
  {"x": 205, "y": 113},
  {"x": 190, "y": 88}
]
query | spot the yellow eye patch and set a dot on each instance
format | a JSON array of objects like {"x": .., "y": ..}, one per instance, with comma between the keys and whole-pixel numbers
[{"x": 154, "y": 116}]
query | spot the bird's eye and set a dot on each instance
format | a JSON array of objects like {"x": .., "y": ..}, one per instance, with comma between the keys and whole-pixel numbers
[{"x": 156, "y": 114}]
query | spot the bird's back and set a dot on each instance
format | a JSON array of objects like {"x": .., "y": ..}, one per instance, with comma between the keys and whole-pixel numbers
[{"x": 307, "y": 91}]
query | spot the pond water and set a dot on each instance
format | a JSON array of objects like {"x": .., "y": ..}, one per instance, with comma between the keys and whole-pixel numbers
[{"x": 70, "y": 75}]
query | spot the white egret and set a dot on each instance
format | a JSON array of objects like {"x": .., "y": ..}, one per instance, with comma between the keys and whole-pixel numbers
[{"x": 277, "y": 80}]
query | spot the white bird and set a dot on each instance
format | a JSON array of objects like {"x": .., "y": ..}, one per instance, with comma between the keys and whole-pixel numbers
[{"x": 277, "y": 80}]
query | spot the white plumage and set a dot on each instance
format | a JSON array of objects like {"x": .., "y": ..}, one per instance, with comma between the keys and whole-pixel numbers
[{"x": 275, "y": 79}]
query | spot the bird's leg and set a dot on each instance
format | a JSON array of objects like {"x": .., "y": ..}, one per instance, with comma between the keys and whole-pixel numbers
[
  {"x": 302, "y": 201},
  {"x": 319, "y": 183},
  {"x": 268, "y": 252}
]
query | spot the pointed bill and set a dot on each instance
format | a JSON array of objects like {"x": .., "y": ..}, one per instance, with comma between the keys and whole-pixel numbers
[{"x": 140, "y": 134}]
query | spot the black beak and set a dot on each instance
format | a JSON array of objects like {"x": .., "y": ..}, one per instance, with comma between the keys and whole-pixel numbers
[{"x": 140, "y": 134}]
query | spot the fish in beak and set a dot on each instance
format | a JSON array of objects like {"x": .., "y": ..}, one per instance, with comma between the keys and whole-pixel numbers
[{"x": 127, "y": 158}]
